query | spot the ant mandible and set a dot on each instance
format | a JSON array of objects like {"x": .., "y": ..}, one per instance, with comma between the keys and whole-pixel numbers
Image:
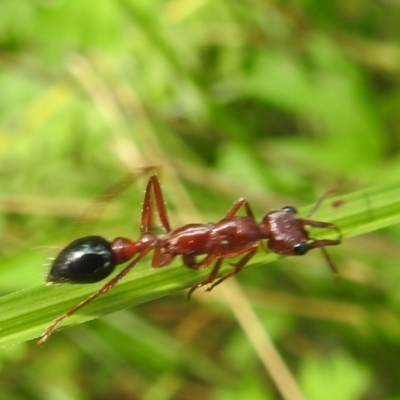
[{"x": 93, "y": 258}]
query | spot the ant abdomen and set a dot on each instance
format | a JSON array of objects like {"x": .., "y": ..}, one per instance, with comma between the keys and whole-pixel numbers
[{"x": 86, "y": 260}]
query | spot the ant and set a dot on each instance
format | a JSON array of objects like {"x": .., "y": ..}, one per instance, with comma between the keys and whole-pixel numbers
[{"x": 92, "y": 258}]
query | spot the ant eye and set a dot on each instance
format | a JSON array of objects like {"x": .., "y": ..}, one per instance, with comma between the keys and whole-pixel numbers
[
  {"x": 300, "y": 249},
  {"x": 86, "y": 260},
  {"x": 290, "y": 209}
]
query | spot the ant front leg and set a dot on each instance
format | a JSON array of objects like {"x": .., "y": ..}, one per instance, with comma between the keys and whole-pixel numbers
[{"x": 147, "y": 212}]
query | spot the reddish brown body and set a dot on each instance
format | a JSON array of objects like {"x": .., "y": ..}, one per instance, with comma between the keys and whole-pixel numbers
[
  {"x": 228, "y": 236},
  {"x": 93, "y": 258}
]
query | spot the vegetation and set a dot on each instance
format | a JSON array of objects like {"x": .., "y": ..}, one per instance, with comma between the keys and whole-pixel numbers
[{"x": 274, "y": 101}]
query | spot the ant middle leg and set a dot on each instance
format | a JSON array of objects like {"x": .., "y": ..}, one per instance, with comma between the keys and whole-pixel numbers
[{"x": 242, "y": 202}]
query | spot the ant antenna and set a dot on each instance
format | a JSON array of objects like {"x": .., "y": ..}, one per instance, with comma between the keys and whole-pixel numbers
[
  {"x": 319, "y": 202},
  {"x": 330, "y": 262}
]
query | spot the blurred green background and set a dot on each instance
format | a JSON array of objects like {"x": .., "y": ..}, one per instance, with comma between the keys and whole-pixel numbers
[{"x": 276, "y": 101}]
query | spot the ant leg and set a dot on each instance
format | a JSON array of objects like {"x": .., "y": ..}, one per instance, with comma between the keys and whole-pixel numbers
[
  {"x": 237, "y": 268},
  {"x": 109, "y": 285},
  {"x": 190, "y": 261},
  {"x": 235, "y": 208},
  {"x": 147, "y": 214},
  {"x": 161, "y": 259},
  {"x": 327, "y": 225},
  {"x": 251, "y": 250},
  {"x": 209, "y": 279}
]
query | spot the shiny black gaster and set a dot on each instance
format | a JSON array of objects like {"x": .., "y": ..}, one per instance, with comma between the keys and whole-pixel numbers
[{"x": 85, "y": 260}]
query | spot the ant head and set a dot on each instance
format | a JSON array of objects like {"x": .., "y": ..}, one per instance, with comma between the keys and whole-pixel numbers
[
  {"x": 86, "y": 260},
  {"x": 285, "y": 232},
  {"x": 287, "y": 235}
]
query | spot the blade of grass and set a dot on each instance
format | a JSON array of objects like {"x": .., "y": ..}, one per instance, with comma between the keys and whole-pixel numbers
[{"x": 25, "y": 314}]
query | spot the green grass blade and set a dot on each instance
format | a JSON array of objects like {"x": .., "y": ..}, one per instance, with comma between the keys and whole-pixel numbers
[{"x": 24, "y": 315}]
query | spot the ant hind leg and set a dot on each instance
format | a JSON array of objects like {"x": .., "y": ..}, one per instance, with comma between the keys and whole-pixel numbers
[
  {"x": 211, "y": 277},
  {"x": 154, "y": 186}
]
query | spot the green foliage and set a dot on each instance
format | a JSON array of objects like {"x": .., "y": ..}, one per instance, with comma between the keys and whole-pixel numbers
[
  {"x": 274, "y": 101},
  {"x": 345, "y": 378}
]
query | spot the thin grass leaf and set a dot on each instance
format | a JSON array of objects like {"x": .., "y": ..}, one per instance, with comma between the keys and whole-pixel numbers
[{"x": 25, "y": 314}]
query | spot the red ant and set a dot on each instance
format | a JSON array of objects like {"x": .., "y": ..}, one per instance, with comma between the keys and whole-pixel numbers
[{"x": 93, "y": 258}]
